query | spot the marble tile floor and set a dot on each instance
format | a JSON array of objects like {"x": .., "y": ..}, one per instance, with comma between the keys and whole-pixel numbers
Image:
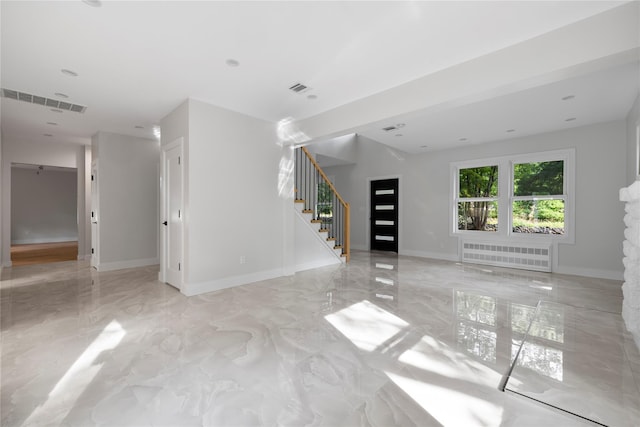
[{"x": 382, "y": 341}]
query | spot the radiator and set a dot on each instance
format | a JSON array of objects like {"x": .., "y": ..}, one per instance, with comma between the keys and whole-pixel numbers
[{"x": 514, "y": 255}]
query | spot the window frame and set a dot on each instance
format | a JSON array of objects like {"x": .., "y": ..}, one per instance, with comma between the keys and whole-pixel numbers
[
  {"x": 489, "y": 199},
  {"x": 506, "y": 198}
]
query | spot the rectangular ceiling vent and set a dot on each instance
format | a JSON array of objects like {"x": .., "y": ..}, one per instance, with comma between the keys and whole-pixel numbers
[
  {"x": 389, "y": 128},
  {"x": 41, "y": 100},
  {"x": 299, "y": 88}
]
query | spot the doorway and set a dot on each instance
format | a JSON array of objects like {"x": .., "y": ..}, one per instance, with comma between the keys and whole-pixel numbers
[
  {"x": 384, "y": 215},
  {"x": 44, "y": 212},
  {"x": 171, "y": 260}
]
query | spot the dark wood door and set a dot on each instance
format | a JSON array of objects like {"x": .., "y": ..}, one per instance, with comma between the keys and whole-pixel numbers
[{"x": 384, "y": 215}]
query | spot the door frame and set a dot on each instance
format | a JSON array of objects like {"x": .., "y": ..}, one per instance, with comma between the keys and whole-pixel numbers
[
  {"x": 367, "y": 223},
  {"x": 94, "y": 214},
  {"x": 162, "y": 274}
]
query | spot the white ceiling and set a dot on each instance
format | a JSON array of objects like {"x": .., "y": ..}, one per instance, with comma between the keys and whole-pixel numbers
[{"x": 137, "y": 61}]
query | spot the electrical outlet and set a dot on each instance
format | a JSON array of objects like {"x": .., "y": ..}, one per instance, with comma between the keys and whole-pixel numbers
[{"x": 243, "y": 259}]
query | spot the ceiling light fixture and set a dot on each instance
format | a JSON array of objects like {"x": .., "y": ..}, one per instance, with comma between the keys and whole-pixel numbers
[
  {"x": 52, "y": 123},
  {"x": 139, "y": 127},
  {"x": 510, "y": 130},
  {"x": 568, "y": 97},
  {"x": 61, "y": 95},
  {"x": 69, "y": 72},
  {"x": 92, "y": 3},
  {"x": 398, "y": 134},
  {"x": 55, "y": 110},
  {"x": 312, "y": 96},
  {"x": 462, "y": 139},
  {"x": 423, "y": 146},
  {"x": 47, "y": 134},
  {"x": 232, "y": 62},
  {"x": 570, "y": 119}
]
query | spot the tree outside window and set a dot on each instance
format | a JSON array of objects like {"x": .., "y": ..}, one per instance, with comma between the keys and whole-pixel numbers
[
  {"x": 538, "y": 203},
  {"x": 477, "y": 198}
]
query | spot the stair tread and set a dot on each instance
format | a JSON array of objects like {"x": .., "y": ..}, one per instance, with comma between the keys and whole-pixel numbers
[
  {"x": 307, "y": 211},
  {"x": 316, "y": 221},
  {"x": 298, "y": 201},
  {"x": 324, "y": 230},
  {"x": 331, "y": 238},
  {"x": 337, "y": 247}
]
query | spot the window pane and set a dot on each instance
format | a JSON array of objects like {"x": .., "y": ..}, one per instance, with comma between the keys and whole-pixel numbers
[
  {"x": 479, "y": 182},
  {"x": 541, "y": 178},
  {"x": 481, "y": 216},
  {"x": 538, "y": 216}
]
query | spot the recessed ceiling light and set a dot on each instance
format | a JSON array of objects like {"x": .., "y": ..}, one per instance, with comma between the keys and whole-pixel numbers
[
  {"x": 568, "y": 97},
  {"x": 232, "y": 62},
  {"x": 52, "y": 123},
  {"x": 92, "y": 3},
  {"x": 47, "y": 134},
  {"x": 69, "y": 72},
  {"x": 139, "y": 127},
  {"x": 510, "y": 130},
  {"x": 423, "y": 146},
  {"x": 398, "y": 134},
  {"x": 61, "y": 95},
  {"x": 462, "y": 139},
  {"x": 312, "y": 96},
  {"x": 55, "y": 110},
  {"x": 400, "y": 125},
  {"x": 570, "y": 119}
]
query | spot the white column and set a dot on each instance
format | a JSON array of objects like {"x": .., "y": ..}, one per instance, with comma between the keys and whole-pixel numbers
[{"x": 631, "y": 248}]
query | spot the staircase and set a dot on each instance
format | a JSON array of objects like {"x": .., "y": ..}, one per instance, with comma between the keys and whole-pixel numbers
[{"x": 319, "y": 203}]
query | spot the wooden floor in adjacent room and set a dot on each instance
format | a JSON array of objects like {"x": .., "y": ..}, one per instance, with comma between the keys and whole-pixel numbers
[{"x": 42, "y": 253}]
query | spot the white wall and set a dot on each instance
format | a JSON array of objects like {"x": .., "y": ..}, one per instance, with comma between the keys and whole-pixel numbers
[
  {"x": 633, "y": 149},
  {"x": 28, "y": 152},
  {"x": 43, "y": 205},
  {"x": 1, "y": 204},
  {"x": 128, "y": 187},
  {"x": 424, "y": 193},
  {"x": 235, "y": 203}
]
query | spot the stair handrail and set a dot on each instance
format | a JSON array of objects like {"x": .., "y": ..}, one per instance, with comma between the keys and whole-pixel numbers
[{"x": 347, "y": 209}]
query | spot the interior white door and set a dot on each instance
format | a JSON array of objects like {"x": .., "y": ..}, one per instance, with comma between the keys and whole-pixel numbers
[
  {"x": 95, "y": 232},
  {"x": 173, "y": 210}
]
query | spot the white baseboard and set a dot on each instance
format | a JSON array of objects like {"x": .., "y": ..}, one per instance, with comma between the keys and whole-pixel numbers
[
  {"x": 47, "y": 240},
  {"x": 191, "y": 289},
  {"x": 590, "y": 272},
  {"x": 317, "y": 264},
  {"x": 85, "y": 257},
  {"x": 120, "y": 265},
  {"x": 432, "y": 255}
]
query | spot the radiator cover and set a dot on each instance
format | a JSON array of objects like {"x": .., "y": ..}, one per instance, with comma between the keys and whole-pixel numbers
[{"x": 526, "y": 256}]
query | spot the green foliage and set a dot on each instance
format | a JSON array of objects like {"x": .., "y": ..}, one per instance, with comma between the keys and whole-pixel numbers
[
  {"x": 539, "y": 178},
  {"x": 479, "y": 182},
  {"x": 539, "y": 210}
]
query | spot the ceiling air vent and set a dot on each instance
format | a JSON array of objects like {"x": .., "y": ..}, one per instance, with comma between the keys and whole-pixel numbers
[
  {"x": 299, "y": 88},
  {"x": 41, "y": 100},
  {"x": 389, "y": 128}
]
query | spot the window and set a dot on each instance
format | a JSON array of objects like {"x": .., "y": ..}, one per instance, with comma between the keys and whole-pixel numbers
[
  {"x": 517, "y": 196},
  {"x": 478, "y": 198},
  {"x": 538, "y": 197}
]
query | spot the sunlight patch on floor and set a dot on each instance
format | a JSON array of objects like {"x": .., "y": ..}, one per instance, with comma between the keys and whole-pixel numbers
[
  {"x": 77, "y": 378},
  {"x": 449, "y": 407},
  {"x": 366, "y": 325}
]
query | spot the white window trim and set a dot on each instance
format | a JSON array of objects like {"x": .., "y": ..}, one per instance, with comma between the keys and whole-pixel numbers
[{"x": 505, "y": 196}]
